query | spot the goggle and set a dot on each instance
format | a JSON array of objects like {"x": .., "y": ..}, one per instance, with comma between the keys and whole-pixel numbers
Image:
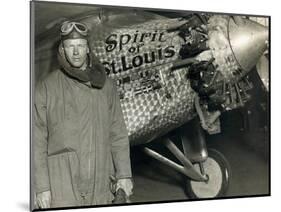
[{"x": 67, "y": 27}]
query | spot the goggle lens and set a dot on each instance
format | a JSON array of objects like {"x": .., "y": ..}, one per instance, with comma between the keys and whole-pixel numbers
[{"x": 81, "y": 27}]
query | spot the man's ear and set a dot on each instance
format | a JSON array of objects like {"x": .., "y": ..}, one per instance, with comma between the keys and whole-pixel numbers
[{"x": 88, "y": 50}]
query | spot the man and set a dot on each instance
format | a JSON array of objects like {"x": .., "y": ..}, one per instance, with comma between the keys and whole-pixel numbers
[{"x": 80, "y": 140}]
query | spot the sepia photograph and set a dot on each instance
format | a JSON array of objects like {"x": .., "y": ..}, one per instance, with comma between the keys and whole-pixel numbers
[{"x": 137, "y": 105}]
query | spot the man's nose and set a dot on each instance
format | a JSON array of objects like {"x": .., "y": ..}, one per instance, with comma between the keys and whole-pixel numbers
[{"x": 75, "y": 52}]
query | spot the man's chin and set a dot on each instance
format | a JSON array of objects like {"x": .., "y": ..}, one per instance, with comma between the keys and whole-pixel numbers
[{"x": 77, "y": 65}]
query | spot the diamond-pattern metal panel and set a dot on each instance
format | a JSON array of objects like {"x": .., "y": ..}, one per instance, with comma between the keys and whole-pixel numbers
[{"x": 159, "y": 100}]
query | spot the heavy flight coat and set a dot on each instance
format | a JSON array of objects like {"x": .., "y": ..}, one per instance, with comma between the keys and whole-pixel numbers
[{"x": 79, "y": 141}]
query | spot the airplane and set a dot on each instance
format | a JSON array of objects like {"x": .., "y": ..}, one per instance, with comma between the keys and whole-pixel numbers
[{"x": 173, "y": 74}]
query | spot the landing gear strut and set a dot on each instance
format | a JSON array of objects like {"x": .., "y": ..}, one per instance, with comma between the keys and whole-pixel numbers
[{"x": 206, "y": 171}]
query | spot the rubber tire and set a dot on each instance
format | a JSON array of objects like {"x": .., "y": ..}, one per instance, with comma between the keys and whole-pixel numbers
[{"x": 224, "y": 167}]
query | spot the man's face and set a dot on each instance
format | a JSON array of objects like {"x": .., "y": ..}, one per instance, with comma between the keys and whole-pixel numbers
[{"x": 76, "y": 51}]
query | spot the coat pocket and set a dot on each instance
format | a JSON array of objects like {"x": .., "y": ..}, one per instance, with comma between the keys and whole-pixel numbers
[{"x": 63, "y": 172}]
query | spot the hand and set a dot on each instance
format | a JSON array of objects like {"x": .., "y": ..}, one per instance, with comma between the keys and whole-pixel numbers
[
  {"x": 44, "y": 199},
  {"x": 126, "y": 184}
]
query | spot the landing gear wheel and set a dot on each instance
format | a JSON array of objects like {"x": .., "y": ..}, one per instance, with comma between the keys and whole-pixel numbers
[{"x": 218, "y": 171}]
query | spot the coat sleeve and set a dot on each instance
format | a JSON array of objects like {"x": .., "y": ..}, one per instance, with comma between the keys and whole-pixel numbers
[
  {"x": 120, "y": 147},
  {"x": 40, "y": 144}
]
